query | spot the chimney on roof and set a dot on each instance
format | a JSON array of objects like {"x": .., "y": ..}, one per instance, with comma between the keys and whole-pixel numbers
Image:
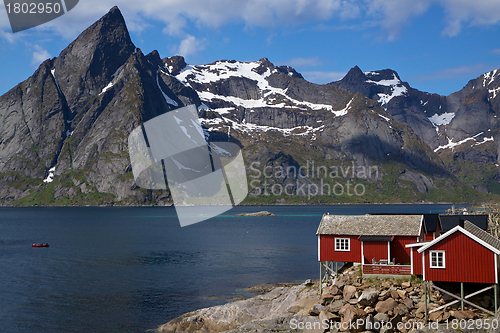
[{"x": 461, "y": 222}]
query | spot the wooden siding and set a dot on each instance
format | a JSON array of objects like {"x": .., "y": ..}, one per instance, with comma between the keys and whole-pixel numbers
[
  {"x": 465, "y": 261},
  {"x": 377, "y": 250},
  {"x": 328, "y": 253},
  {"x": 417, "y": 261},
  {"x": 398, "y": 249}
]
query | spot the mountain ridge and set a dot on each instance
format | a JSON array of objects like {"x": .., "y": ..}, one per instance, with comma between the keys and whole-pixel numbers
[{"x": 73, "y": 116}]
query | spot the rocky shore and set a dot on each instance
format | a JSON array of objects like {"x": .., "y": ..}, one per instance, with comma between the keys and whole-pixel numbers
[{"x": 349, "y": 303}]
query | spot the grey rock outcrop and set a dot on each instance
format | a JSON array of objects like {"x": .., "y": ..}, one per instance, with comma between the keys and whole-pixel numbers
[{"x": 270, "y": 307}]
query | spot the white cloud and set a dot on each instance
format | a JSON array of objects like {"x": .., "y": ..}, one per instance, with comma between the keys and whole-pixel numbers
[
  {"x": 177, "y": 15},
  {"x": 190, "y": 46},
  {"x": 8, "y": 36},
  {"x": 320, "y": 77},
  {"x": 474, "y": 13},
  {"x": 39, "y": 55},
  {"x": 394, "y": 14}
]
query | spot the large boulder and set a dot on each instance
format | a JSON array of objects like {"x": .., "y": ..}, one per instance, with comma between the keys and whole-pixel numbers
[
  {"x": 315, "y": 310},
  {"x": 336, "y": 306},
  {"x": 386, "y": 306},
  {"x": 350, "y": 314},
  {"x": 349, "y": 292},
  {"x": 368, "y": 297}
]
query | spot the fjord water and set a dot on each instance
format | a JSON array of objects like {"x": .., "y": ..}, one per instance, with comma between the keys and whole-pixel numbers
[{"x": 132, "y": 269}]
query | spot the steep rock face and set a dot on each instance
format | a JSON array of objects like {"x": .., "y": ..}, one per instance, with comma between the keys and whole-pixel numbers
[
  {"x": 98, "y": 142},
  {"x": 75, "y": 114},
  {"x": 405, "y": 104},
  {"x": 256, "y": 104},
  {"x": 32, "y": 116},
  {"x": 88, "y": 63},
  {"x": 462, "y": 127},
  {"x": 471, "y": 144},
  {"x": 476, "y": 109}
]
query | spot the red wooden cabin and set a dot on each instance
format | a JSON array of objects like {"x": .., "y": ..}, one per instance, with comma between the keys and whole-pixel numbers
[
  {"x": 444, "y": 224},
  {"x": 465, "y": 253},
  {"x": 378, "y": 242}
]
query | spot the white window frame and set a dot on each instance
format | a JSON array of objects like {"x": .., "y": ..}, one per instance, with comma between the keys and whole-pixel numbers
[
  {"x": 437, "y": 254},
  {"x": 340, "y": 244}
]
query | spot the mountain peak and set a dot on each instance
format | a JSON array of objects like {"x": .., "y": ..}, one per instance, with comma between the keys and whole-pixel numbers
[
  {"x": 290, "y": 71},
  {"x": 384, "y": 74},
  {"x": 264, "y": 66},
  {"x": 355, "y": 75},
  {"x": 88, "y": 63},
  {"x": 175, "y": 64}
]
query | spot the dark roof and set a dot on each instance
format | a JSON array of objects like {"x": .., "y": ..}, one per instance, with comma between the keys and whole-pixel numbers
[
  {"x": 472, "y": 231},
  {"x": 481, "y": 234},
  {"x": 449, "y": 222},
  {"x": 375, "y": 238},
  {"x": 430, "y": 222},
  {"x": 370, "y": 225}
]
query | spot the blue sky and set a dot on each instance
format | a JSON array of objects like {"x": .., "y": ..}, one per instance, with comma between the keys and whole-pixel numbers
[{"x": 435, "y": 45}]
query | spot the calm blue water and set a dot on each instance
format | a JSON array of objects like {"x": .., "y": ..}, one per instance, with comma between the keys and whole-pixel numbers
[{"x": 133, "y": 269}]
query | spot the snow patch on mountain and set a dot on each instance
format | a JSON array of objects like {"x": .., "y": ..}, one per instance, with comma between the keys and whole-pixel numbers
[
  {"x": 109, "y": 86},
  {"x": 442, "y": 119},
  {"x": 224, "y": 70},
  {"x": 344, "y": 111},
  {"x": 397, "y": 89},
  {"x": 53, "y": 72},
  {"x": 388, "y": 83},
  {"x": 206, "y": 74},
  {"x": 452, "y": 144},
  {"x": 490, "y": 77},
  {"x": 384, "y": 117},
  {"x": 494, "y": 92},
  {"x": 249, "y": 128},
  {"x": 167, "y": 98},
  {"x": 50, "y": 177}
]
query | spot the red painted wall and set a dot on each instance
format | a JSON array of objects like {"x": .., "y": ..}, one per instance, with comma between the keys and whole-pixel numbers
[
  {"x": 328, "y": 253},
  {"x": 377, "y": 250},
  {"x": 417, "y": 261},
  {"x": 465, "y": 261},
  {"x": 398, "y": 249}
]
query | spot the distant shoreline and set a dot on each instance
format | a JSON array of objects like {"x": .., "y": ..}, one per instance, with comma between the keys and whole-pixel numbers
[{"x": 259, "y": 205}]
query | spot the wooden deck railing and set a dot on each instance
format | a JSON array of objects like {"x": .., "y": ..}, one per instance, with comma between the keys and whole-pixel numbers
[{"x": 387, "y": 269}]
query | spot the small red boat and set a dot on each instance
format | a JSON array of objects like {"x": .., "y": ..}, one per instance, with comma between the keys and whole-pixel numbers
[{"x": 40, "y": 245}]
